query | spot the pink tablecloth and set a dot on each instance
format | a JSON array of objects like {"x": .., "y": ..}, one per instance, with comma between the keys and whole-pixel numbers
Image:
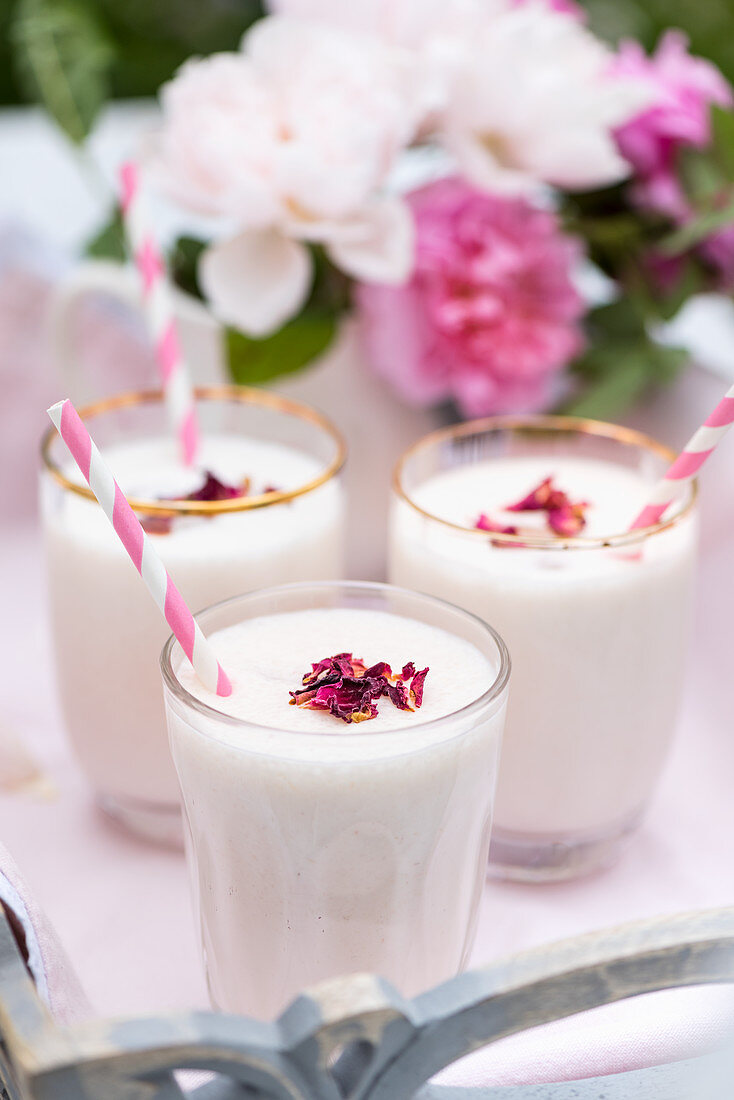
[{"x": 122, "y": 908}]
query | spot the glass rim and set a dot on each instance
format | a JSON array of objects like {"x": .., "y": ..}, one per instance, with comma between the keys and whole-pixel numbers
[
  {"x": 540, "y": 423},
  {"x": 494, "y": 691},
  {"x": 245, "y": 395}
]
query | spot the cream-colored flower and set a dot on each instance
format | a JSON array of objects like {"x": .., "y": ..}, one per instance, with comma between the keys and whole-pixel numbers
[
  {"x": 534, "y": 101},
  {"x": 290, "y": 140}
]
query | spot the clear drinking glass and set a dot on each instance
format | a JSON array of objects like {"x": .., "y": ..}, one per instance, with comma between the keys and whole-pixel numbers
[
  {"x": 597, "y": 629},
  {"x": 107, "y": 631},
  {"x": 316, "y": 854}
]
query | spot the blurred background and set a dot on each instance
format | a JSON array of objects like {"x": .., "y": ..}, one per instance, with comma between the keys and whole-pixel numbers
[
  {"x": 107, "y": 49},
  {"x": 78, "y": 80}
]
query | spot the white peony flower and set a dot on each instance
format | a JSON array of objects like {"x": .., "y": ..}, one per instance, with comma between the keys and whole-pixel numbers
[
  {"x": 432, "y": 33},
  {"x": 290, "y": 140},
  {"x": 293, "y": 138},
  {"x": 218, "y": 131},
  {"x": 534, "y": 101},
  {"x": 411, "y": 24},
  {"x": 519, "y": 92}
]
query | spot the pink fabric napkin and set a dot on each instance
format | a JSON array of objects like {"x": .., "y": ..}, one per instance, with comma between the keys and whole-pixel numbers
[
  {"x": 643, "y": 1031},
  {"x": 52, "y": 972}
]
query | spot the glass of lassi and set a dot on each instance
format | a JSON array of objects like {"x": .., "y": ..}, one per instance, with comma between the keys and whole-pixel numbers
[
  {"x": 320, "y": 846},
  {"x": 525, "y": 522},
  {"x": 262, "y": 505}
]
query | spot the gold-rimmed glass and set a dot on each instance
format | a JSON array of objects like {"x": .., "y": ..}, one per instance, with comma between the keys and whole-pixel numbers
[
  {"x": 474, "y": 440},
  {"x": 108, "y": 633},
  {"x": 596, "y": 627},
  {"x": 306, "y": 427}
]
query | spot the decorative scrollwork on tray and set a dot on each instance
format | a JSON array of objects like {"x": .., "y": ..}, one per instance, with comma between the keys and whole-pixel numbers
[{"x": 355, "y": 1038}]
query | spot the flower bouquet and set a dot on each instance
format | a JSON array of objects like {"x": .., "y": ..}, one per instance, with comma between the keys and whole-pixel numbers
[{"x": 511, "y": 209}]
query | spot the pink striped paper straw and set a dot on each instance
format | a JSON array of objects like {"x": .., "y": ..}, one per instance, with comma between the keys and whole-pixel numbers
[
  {"x": 139, "y": 547},
  {"x": 159, "y": 308},
  {"x": 688, "y": 462}
]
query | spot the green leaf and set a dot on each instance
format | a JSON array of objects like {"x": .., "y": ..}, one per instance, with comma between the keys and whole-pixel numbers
[
  {"x": 617, "y": 232},
  {"x": 722, "y": 128},
  {"x": 619, "y": 319},
  {"x": 691, "y": 281},
  {"x": 698, "y": 229},
  {"x": 331, "y": 288},
  {"x": 615, "y": 389},
  {"x": 702, "y": 177},
  {"x": 657, "y": 302},
  {"x": 109, "y": 243},
  {"x": 255, "y": 362},
  {"x": 301, "y": 340},
  {"x": 184, "y": 263},
  {"x": 63, "y": 58},
  {"x": 666, "y": 363},
  {"x": 616, "y": 371}
]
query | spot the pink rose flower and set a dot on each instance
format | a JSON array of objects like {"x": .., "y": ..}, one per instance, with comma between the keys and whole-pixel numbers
[
  {"x": 718, "y": 250},
  {"x": 683, "y": 88},
  {"x": 490, "y": 315},
  {"x": 565, "y": 7}
]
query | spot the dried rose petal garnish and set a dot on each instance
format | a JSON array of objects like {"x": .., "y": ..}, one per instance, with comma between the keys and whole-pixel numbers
[
  {"x": 416, "y": 687},
  {"x": 568, "y": 520},
  {"x": 344, "y": 686},
  {"x": 544, "y": 498},
  {"x": 214, "y": 489},
  {"x": 156, "y": 525},
  {"x": 565, "y": 517},
  {"x": 484, "y": 523},
  {"x": 211, "y": 489}
]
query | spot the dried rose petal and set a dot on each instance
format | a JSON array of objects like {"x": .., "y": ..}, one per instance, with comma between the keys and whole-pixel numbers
[
  {"x": 382, "y": 668},
  {"x": 484, "y": 523},
  {"x": 156, "y": 525},
  {"x": 565, "y": 517},
  {"x": 416, "y": 687},
  {"x": 397, "y": 693},
  {"x": 302, "y": 696},
  {"x": 345, "y": 687},
  {"x": 214, "y": 489},
  {"x": 569, "y": 520},
  {"x": 352, "y": 699},
  {"x": 543, "y": 498},
  {"x": 331, "y": 669}
]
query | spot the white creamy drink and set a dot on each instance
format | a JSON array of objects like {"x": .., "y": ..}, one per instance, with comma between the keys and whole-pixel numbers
[
  {"x": 108, "y": 633},
  {"x": 320, "y": 847},
  {"x": 597, "y": 638}
]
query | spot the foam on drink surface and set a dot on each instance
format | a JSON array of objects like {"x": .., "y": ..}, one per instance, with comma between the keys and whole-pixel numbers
[
  {"x": 614, "y": 493},
  {"x": 151, "y": 470},
  {"x": 267, "y": 657}
]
